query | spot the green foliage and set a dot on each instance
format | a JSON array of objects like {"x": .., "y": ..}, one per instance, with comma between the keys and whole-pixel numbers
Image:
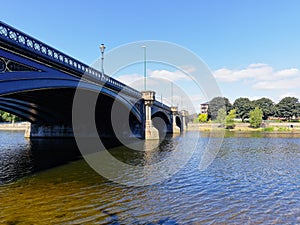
[
  {"x": 266, "y": 105},
  {"x": 221, "y": 116},
  {"x": 256, "y": 117},
  {"x": 243, "y": 107},
  {"x": 216, "y": 104},
  {"x": 196, "y": 120},
  {"x": 288, "y": 108},
  {"x": 283, "y": 129},
  {"x": 8, "y": 117},
  {"x": 268, "y": 129},
  {"x": 202, "y": 118},
  {"x": 229, "y": 121}
]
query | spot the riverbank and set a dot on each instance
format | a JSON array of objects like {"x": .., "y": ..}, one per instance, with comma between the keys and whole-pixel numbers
[
  {"x": 14, "y": 126},
  {"x": 245, "y": 127}
]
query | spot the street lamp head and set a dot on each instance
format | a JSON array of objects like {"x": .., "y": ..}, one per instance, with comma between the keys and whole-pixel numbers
[{"x": 102, "y": 48}]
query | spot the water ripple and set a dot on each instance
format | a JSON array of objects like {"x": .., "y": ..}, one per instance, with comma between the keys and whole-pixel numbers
[{"x": 252, "y": 181}]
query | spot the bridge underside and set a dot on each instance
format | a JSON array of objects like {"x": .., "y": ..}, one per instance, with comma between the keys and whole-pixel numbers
[
  {"x": 46, "y": 106},
  {"x": 50, "y": 112}
]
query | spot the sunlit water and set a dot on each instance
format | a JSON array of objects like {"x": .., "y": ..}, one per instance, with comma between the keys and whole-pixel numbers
[{"x": 255, "y": 179}]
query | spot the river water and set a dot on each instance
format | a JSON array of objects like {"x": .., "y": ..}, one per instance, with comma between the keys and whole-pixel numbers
[{"x": 254, "y": 179}]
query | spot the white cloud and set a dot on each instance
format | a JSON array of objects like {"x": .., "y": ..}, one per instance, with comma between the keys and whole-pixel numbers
[
  {"x": 188, "y": 68},
  {"x": 279, "y": 84},
  {"x": 254, "y": 65},
  {"x": 252, "y": 98},
  {"x": 287, "y": 73},
  {"x": 169, "y": 75},
  {"x": 261, "y": 76},
  {"x": 130, "y": 78},
  {"x": 288, "y": 94},
  {"x": 159, "y": 74},
  {"x": 256, "y": 71}
]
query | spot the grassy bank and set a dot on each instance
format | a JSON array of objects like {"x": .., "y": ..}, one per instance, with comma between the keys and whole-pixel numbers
[{"x": 245, "y": 127}]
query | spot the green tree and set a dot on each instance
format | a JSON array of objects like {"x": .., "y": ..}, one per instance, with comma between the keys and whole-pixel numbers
[
  {"x": 256, "y": 117},
  {"x": 202, "y": 118},
  {"x": 216, "y": 104},
  {"x": 266, "y": 105},
  {"x": 243, "y": 106},
  {"x": 229, "y": 121},
  {"x": 288, "y": 108},
  {"x": 221, "y": 116},
  {"x": 8, "y": 117}
]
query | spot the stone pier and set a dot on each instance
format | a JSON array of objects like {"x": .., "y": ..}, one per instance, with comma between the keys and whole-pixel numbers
[
  {"x": 176, "y": 129},
  {"x": 184, "y": 114},
  {"x": 150, "y": 131}
]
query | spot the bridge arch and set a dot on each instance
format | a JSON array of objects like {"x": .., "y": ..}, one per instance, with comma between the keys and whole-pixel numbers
[
  {"x": 49, "y": 101},
  {"x": 27, "y": 98},
  {"x": 178, "y": 122},
  {"x": 161, "y": 121}
]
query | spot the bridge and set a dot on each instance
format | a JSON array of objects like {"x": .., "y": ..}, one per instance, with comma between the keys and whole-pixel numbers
[{"x": 38, "y": 83}]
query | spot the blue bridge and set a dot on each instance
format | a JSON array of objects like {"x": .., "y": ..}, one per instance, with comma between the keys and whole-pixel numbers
[{"x": 38, "y": 83}]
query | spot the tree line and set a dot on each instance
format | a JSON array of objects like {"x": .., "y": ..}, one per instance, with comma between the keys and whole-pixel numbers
[{"x": 287, "y": 109}]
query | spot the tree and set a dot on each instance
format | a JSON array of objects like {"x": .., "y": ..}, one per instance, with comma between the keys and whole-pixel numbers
[
  {"x": 216, "y": 104},
  {"x": 221, "y": 116},
  {"x": 229, "y": 121},
  {"x": 202, "y": 118},
  {"x": 256, "y": 117},
  {"x": 243, "y": 106},
  {"x": 8, "y": 117},
  {"x": 288, "y": 108},
  {"x": 266, "y": 105}
]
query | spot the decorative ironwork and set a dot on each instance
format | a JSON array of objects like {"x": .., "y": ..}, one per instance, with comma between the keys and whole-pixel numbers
[
  {"x": 2, "y": 65},
  {"x": 7, "y": 65},
  {"x": 12, "y": 35}
]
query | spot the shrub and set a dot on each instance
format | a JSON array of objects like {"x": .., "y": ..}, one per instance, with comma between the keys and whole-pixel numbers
[
  {"x": 229, "y": 120},
  {"x": 256, "y": 117},
  {"x": 202, "y": 118}
]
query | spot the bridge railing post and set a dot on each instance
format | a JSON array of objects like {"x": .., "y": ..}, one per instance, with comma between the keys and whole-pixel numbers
[{"x": 150, "y": 131}]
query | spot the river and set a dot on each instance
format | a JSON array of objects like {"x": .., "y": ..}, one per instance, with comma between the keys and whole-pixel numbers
[{"x": 254, "y": 179}]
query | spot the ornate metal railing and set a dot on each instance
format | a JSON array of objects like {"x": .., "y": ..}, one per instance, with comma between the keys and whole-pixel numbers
[
  {"x": 24, "y": 41},
  {"x": 161, "y": 105}
]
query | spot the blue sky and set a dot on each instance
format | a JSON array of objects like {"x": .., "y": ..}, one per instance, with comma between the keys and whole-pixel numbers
[{"x": 251, "y": 46}]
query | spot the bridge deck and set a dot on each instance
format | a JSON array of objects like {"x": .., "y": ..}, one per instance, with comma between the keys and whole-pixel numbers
[{"x": 14, "y": 40}]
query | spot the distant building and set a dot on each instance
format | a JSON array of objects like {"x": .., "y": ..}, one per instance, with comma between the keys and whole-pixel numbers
[{"x": 204, "y": 108}]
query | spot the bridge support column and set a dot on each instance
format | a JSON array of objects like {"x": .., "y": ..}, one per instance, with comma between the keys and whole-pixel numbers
[
  {"x": 184, "y": 114},
  {"x": 48, "y": 131},
  {"x": 176, "y": 129},
  {"x": 150, "y": 131}
]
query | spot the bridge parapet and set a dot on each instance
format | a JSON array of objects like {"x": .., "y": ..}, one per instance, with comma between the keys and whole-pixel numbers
[{"x": 11, "y": 37}]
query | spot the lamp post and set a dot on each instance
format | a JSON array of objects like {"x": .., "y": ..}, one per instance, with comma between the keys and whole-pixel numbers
[
  {"x": 145, "y": 67},
  {"x": 171, "y": 93},
  {"x": 102, "y": 48}
]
